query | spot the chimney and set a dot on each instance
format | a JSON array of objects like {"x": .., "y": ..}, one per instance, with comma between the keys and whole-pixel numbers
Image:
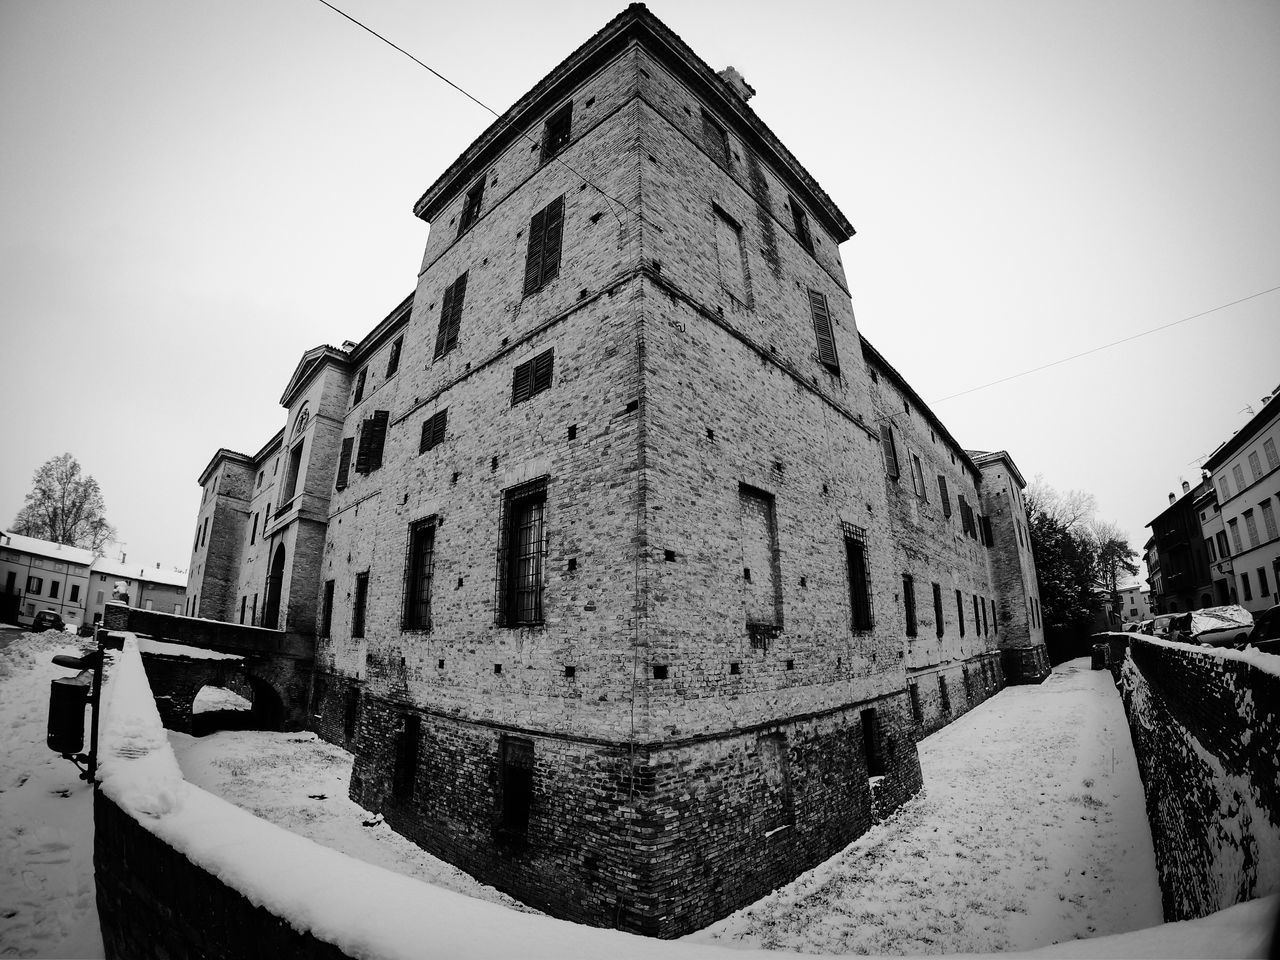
[
  {"x": 1172, "y": 498},
  {"x": 733, "y": 78},
  {"x": 1186, "y": 487}
]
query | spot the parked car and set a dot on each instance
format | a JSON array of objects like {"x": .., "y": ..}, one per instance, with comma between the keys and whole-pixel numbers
[
  {"x": 1159, "y": 626},
  {"x": 1213, "y": 626},
  {"x": 1265, "y": 635},
  {"x": 47, "y": 620}
]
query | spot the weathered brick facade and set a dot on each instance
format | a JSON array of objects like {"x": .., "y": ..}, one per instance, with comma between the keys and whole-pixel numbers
[{"x": 694, "y": 679}]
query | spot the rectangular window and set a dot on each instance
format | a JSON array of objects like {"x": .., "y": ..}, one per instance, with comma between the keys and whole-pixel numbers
[
  {"x": 731, "y": 255},
  {"x": 823, "y": 332},
  {"x": 542, "y": 259},
  {"x": 1224, "y": 488},
  {"x": 960, "y": 611},
  {"x": 532, "y": 377},
  {"x": 761, "y": 576},
  {"x": 985, "y": 527},
  {"x": 939, "y": 625},
  {"x": 244, "y": 603},
  {"x": 418, "y": 572},
  {"x": 351, "y": 713},
  {"x": 53, "y": 589},
  {"x": 555, "y": 135},
  {"x": 1208, "y": 542},
  {"x": 405, "y": 772},
  {"x": 1269, "y": 519},
  {"x": 515, "y": 788},
  {"x": 1255, "y": 466},
  {"x": 943, "y": 694},
  {"x": 913, "y": 691},
  {"x": 917, "y": 477},
  {"x": 204, "y": 533},
  {"x": 291, "y": 474},
  {"x": 393, "y": 361},
  {"x": 1251, "y": 528},
  {"x": 995, "y": 622},
  {"x": 373, "y": 435},
  {"x": 75, "y": 592},
  {"x": 1237, "y": 471},
  {"x": 977, "y": 617},
  {"x": 1269, "y": 450},
  {"x": 358, "y": 604},
  {"x": 909, "y": 603},
  {"x": 521, "y": 553},
  {"x": 855, "y": 550},
  {"x": 360, "y": 378},
  {"x": 1244, "y": 583},
  {"x": 966, "y": 517},
  {"x": 801, "y": 221},
  {"x": 433, "y": 430},
  {"x": 871, "y": 744},
  {"x": 1234, "y": 527},
  {"x": 715, "y": 139},
  {"x": 775, "y": 763},
  {"x": 344, "y": 462},
  {"x": 986, "y": 626},
  {"x": 471, "y": 207},
  {"x": 450, "y": 316},
  {"x": 35, "y": 585},
  {"x": 890, "y": 451},
  {"x": 326, "y": 610},
  {"x": 253, "y": 610},
  {"x": 1263, "y": 589},
  {"x": 944, "y": 496},
  {"x": 253, "y": 531}
]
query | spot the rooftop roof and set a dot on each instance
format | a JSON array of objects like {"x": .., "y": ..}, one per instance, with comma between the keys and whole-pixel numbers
[
  {"x": 44, "y": 548},
  {"x": 1245, "y": 434},
  {"x": 982, "y": 457},
  {"x": 138, "y": 571}
]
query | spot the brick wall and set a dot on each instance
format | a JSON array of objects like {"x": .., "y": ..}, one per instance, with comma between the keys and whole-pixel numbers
[{"x": 1206, "y": 729}]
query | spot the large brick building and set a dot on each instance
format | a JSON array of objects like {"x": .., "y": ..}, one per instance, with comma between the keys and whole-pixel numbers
[{"x": 634, "y": 572}]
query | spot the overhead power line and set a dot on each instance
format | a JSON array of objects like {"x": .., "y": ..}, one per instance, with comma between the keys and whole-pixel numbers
[
  {"x": 1105, "y": 346},
  {"x": 476, "y": 100}
]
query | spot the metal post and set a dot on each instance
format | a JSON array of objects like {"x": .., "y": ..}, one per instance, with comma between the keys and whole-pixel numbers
[{"x": 94, "y": 700}]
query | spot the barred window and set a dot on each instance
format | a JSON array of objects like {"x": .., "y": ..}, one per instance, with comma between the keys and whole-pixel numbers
[
  {"x": 358, "y": 604},
  {"x": 450, "y": 316},
  {"x": 521, "y": 553},
  {"x": 532, "y": 377},
  {"x": 909, "y": 602},
  {"x": 471, "y": 207},
  {"x": 419, "y": 567},
  {"x": 855, "y": 549},
  {"x": 433, "y": 430},
  {"x": 542, "y": 260}
]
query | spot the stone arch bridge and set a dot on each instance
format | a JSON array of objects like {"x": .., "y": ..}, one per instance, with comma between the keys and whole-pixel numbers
[{"x": 181, "y": 655}]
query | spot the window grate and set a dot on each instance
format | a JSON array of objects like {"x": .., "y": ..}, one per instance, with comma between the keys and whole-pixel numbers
[
  {"x": 419, "y": 569},
  {"x": 519, "y": 579},
  {"x": 855, "y": 545}
]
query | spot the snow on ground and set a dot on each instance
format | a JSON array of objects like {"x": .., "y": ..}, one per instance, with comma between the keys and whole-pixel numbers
[
  {"x": 1031, "y": 830},
  {"x": 211, "y": 699},
  {"x": 299, "y": 782},
  {"x": 47, "y": 906}
]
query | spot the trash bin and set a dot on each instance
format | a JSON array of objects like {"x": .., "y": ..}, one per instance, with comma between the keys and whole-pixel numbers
[
  {"x": 67, "y": 699},
  {"x": 1101, "y": 656}
]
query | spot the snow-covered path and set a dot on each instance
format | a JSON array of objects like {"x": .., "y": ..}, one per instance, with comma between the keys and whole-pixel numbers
[{"x": 1031, "y": 830}]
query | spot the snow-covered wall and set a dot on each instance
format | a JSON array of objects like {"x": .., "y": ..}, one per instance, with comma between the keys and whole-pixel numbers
[{"x": 1205, "y": 728}]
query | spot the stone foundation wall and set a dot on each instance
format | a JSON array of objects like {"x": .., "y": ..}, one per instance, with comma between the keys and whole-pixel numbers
[
  {"x": 1205, "y": 729},
  {"x": 967, "y": 685},
  {"x": 1026, "y": 664}
]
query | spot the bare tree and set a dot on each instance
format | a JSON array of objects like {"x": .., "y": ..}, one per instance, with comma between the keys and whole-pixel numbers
[
  {"x": 1068, "y": 510},
  {"x": 65, "y": 506}
]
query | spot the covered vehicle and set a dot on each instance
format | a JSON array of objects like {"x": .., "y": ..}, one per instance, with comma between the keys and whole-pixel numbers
[
  {"x": 1159, "y": 626},
  {"x": 47, "y": 620},
  {"x": 1213, "y": 626}
]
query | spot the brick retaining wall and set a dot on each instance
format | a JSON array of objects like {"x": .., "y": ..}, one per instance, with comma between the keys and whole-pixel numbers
[{"x": 1204, "y": 726}]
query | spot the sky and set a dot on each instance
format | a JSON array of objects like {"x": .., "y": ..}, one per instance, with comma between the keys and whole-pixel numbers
[{"x": 191, "y": 195}]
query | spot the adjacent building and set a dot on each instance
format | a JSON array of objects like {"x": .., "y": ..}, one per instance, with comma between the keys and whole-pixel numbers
[
  {"x": 38, "y": 575},
  {"x": 148, "y": 588},
  {"x": 1135, "y": 603},
  {"x": 1185, "y": 581},
  {"x": 632, "y": 571},
  {"x": 1245, "y": 474}
]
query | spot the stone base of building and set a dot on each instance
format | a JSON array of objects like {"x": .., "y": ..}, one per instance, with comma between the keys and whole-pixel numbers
[
  {"x": 1026, "y": 664},
  {"x": 942, "y": 694},
  {"x": 658, "y": 839}
]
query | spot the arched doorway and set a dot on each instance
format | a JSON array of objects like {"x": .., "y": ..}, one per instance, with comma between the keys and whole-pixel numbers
[{"x": 271, "y": 610}]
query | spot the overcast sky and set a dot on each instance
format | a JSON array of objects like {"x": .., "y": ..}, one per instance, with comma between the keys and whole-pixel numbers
[{"x": 192, "y": 194}]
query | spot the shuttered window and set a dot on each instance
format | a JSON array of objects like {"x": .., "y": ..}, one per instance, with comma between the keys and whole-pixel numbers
[
  {"x": 433, "y": 430},
  {"x": 532, "y": 377},
  {"x": 917, "y": 477},
  {"x": 801, "y": 221},
  {"x": 555, "y": 136},
  {"x": 822, "y": 330},
  {"x": 542, "y": 262},
  {"x": 360, "y": 378},
  {"x": 890, "y": 451},
  {"x": 471, "y": 207},
  {"x": 393, "y": 361},
  {"x": 450, "y": 316},
  {"x": 344, "y": 462},
  {"x": 373, "y": 435},
  {"x": 944, "y": 496}
]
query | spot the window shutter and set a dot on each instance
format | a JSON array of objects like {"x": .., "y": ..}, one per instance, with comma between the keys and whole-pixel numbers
[
  {"x": 554, "y": 231},
  {"x": 362, "y": 449},
  {"x": 451, "y": 316},
  {"x": 890, "y": 453},
  {"x": 822, "y": 328},
  {"x": 520, "y": 382},
  {"x": 533, "y": 259},
  {"x": 442, "y": 333},
  {"x": 942, "y": 494},
  {"x": 543, "y": 365},
  {"x": 344, "y": 462},
  {"x": 393, "y": 364},
  {"x": 377, "y": 437},
  {"x": 433, "y": 430}
]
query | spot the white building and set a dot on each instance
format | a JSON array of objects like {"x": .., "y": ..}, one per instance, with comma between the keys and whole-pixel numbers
[
  {"x": 1135, "y": 603},
  {"x": 148, "y": 587},
  {"x": 38, "y": 575}
]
